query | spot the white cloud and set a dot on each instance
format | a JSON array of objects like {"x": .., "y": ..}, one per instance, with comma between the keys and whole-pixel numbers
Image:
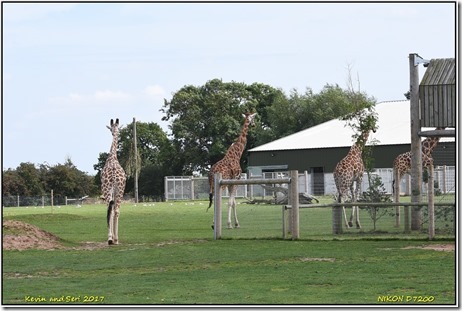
[{"x": 154, "y": 91}]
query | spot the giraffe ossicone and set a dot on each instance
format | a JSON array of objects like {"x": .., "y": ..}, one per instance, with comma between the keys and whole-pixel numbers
[
  {"x": 113, "y": 180},
  {"x": 230, "y": 168}
]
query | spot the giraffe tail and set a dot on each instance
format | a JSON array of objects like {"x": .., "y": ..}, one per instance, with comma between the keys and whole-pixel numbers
[
  {"x": 210, "y": 201},
  {"x": 109, "y": 211}
]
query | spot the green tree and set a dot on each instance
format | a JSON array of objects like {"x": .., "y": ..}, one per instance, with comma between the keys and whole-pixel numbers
[
  {"x": 155, "y": 155},
  {"x": 206, "y": 120},
  {"x": 30, "y": 179},
  {"x": 12, "y": 183},
  {"x": 66, "y": 180},
  {"x": 300, "y": 111}
]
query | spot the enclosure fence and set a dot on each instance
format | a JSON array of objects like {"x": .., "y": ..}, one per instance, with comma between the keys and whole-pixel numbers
[{"x": 197, "y": 188}]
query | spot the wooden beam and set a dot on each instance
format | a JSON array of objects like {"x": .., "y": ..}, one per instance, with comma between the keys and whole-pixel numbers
[{"x": 438, "y": 133}]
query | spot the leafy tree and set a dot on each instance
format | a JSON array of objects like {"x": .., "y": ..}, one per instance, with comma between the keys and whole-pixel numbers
[
  {"x": 31, "y": 179},
  {"x": 206, "y": 120},
  {"x": 64, "y": 179},
  {"x": 156, "y": 156},
  {"x": 12, "y": 183}
]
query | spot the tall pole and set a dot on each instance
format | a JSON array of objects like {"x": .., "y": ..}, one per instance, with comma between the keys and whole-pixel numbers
[
  {"x": 136, "y": 160},
  {"x": 217, "y": 192},
  {"x": 416, "y": 150},
  {"x": 294, "y": 202}
]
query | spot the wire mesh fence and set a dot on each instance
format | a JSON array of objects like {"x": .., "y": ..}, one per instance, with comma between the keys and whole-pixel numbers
[
  {"x": 197, "y": 188},
  {"x": 263, "y": 221}
]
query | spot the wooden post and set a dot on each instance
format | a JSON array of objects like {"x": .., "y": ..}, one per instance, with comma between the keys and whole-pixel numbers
[
  {"x": 166, "y": 188},
  {"x": 416, "y": 150},
  {"x": 444, "y": 180},
  {"x": 52, "y": 200},
  {"x": 431, "y": 206},
  {"x": 284, "y": 231},
  {"x": 17, "y": 200},
  {"x": 396, "y": 194},
  {"x": 136, "y": 160},
  {"x": 192, "y": 188},
  {"x": 217, "y": 207},
  {"x": 294, "y": 202}
]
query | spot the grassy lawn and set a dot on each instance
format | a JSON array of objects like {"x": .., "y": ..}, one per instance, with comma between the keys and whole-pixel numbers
[{"x": 167, "y": 255}]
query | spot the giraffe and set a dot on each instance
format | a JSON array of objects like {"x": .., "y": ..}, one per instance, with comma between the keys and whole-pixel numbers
[
  {"x": 113, "y": 185},
  {"x": 348, "y": 171},
  {"x": 230, "y": 167},
  {"x": 402, "y": 165}
]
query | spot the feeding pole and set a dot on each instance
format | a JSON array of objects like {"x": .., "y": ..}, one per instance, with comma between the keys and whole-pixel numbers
[
  {"x": 136, "y": 160},
  {"x": 416, "y": 149}
]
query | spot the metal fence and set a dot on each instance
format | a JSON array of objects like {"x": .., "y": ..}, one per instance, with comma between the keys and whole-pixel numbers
[
  {"x": 197, "y": 188},
  {"x": 194, "y": 188}
]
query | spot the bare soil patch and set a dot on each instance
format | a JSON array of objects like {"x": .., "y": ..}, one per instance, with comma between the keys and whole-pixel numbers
[
  {"x": 18, "y": 235},
  {"x": 436, "y": 247}
]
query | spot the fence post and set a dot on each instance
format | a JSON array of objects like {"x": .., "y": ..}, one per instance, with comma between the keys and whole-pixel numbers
[
  {"x": 444, "y": 180},
  {"x": 17, "y": 200},
  {"x": 284, "y": 231},
  {"x": 166, "y": 188},
  {"x": 192, "y": 188},
  {"x": 396, "y": 190},
  {"x": 294, "y": 202},
  {"x": 52, "y": 200},
  {"x": 431, "y": 206},
  {"x": 217, "y": 207}
]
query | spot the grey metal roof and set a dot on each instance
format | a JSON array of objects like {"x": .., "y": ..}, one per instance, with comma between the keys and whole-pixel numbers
[{"x": 393, "y": 129}]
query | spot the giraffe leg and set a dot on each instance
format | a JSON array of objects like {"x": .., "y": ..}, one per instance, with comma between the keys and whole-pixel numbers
[
  {"x": 355, "y": 209},
  {"x": 110, "y": 222},
  {"x": 116, "y": 226},
  {"x": 347, "y": 223},
  {"x": 340, "y": 199},
  {"x": 236, "y": 222},
  {"x": 230, "y": 206}
]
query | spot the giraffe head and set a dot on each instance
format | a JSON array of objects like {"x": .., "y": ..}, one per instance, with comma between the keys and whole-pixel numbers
[
  {"x": 250, "y": 118},
  {"x": 430, "y": 143},
  {"x": 114, "y": 128},
  {"x": 369, "y": 124}
]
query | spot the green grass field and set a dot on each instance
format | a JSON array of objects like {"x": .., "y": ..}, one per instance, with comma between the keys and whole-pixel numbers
[{"x": 167, "y": 255}]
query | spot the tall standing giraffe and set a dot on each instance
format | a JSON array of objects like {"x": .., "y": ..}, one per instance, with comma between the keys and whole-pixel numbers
[
  {"x": 349, "y": 171},
  {"x": 230, "y": 167},
  {"x": 402, "y": 165},
  {"x": 113, "y": 185}
]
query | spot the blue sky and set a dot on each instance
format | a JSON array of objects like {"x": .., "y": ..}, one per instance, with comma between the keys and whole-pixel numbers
[{"x": 68, "y": 68}]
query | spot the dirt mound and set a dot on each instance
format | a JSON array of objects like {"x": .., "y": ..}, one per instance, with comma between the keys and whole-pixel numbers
[{"x": 18, "y": 235}]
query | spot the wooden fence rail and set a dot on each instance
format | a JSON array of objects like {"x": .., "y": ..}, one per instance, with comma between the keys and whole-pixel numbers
[
  {"x": 294, "y": 206},
  {"x": 293, "y": 198}
]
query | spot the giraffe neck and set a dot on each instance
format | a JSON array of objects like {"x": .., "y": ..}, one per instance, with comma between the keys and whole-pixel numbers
[
  {"x": 237, "y": 148},
  {"x": 113, "y": 151},
  {"x": 429, "y": 144},
  {"x": 357, "y": 148}
]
